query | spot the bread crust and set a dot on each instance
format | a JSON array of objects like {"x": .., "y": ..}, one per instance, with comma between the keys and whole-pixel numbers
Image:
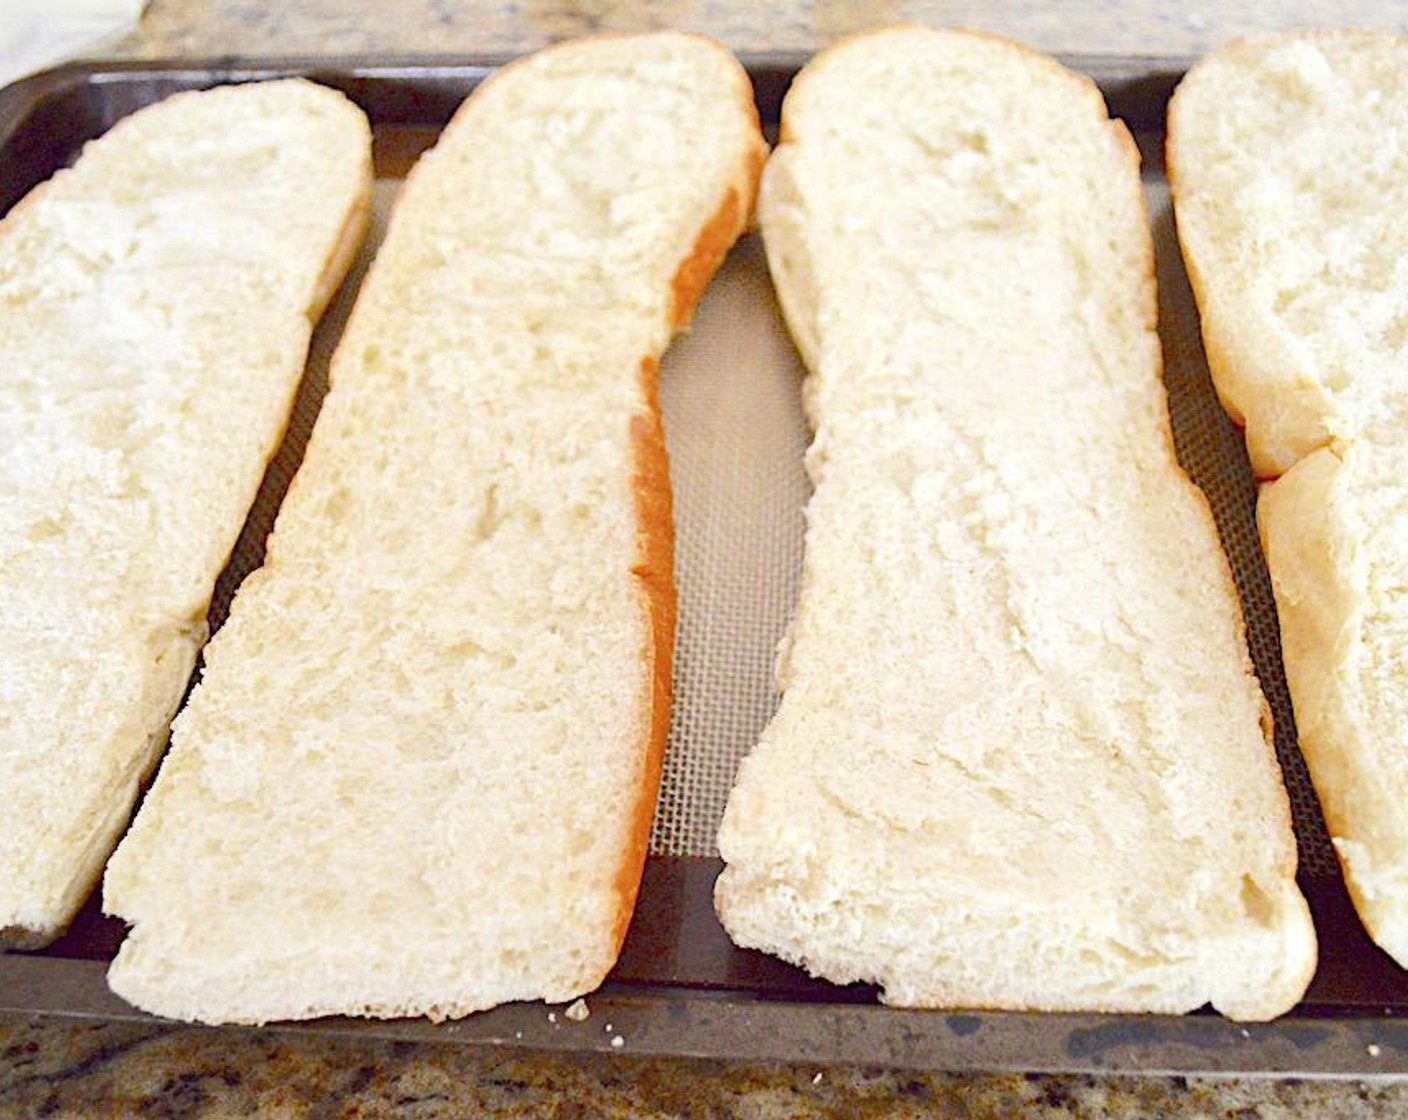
[
  {"x": 654, "y": 573},
  {"x": 655, "y": 570}
]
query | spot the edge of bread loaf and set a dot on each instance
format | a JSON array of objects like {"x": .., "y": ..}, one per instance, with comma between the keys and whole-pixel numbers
[
  {"x": 1318, "y": 577},
  {"x": 173, "y": 668},
  {"x": 1317, "y": 570},
  {"x": 156, "y": 710}
]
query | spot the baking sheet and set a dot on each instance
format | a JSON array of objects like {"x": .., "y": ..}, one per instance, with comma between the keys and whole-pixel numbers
[{"x": 735, "y": 432}]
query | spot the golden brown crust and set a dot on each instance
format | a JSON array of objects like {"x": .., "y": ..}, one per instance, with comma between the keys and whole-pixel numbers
[
  {"x": 714, "y": 241},
  {"x": 654, "y": 570},
  {"x": 694, "y": 272},
  {"x": 655, "y": 565},
  {"x": 655, "y": 576}
]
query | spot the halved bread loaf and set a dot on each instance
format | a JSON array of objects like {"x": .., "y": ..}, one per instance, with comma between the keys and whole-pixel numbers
[
  {"x": 1021, "y": 758},
  {"x": 418, "y": 774},
  {"x": 156, "y": 305},
  {"x": 1288, "y": 158}
]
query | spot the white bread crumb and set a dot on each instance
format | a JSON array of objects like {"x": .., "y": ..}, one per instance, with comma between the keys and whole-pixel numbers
[{"x": 579, "y": 1012}]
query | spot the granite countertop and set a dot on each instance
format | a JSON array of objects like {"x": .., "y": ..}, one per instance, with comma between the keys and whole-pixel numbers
[
  {"x": 1171, "y": 28},
  {"x": 57, "y": 1070},
  {"x": 52, "y": 1067}
]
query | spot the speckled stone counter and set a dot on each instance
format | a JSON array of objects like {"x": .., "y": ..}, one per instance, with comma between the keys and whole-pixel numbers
[
  {"x": 1135, "y": 27},
  {"x": 51, "y": 1067},
  {"x": 121, "y": 1069}
]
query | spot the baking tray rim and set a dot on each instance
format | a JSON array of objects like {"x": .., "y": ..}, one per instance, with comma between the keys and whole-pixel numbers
[
  {"x": 660, "y": 1020},
  {"x": 1126, "y": 80},
  {"x": 688, "y": 1023}
]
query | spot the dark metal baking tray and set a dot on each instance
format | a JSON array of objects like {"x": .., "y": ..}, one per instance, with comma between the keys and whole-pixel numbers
[{"x": 681, "y": 987}]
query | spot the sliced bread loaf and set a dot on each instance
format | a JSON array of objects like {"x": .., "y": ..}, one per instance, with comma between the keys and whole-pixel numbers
[
  {"x": 156, "y": 305},
  {"x": 1020, "y": 759},
  {"x": 418, "y": 774},
  {"x": 1288, "y": 158}
]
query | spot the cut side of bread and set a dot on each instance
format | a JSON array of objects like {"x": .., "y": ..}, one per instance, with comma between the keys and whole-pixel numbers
[
  {"x": 1288, "y": 158},
  {"x": 1020, "y": 759},
  {"x": 419, "y": 771},
  {"x": 156, "y": 305}
]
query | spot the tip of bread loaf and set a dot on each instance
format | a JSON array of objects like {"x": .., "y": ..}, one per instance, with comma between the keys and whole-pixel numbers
[
  {"x": 418, "y": 774},
  {"x": 1019, "y": 760},
  {"x": 155, "y": 307},
  {"x": 1379, "y": 888},
  {"x": 1300, "y": 133}
]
